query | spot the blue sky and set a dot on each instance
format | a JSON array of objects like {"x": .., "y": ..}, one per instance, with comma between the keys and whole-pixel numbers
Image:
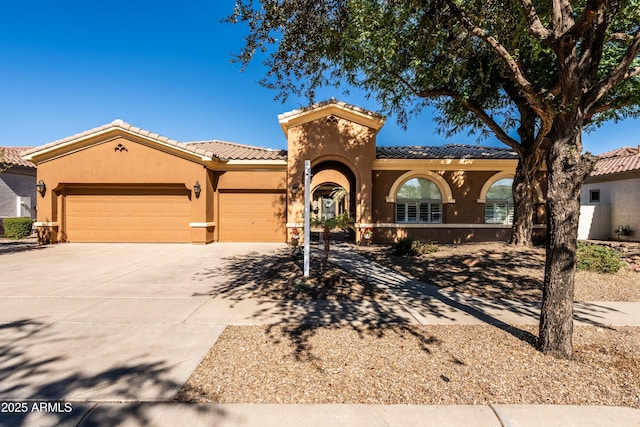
[{"x": 68, "y": 66}]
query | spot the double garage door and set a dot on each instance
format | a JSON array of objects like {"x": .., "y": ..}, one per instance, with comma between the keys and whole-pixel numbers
[
  {"x": 164, "y": 214},
  {"x": 128, "y": 215}
]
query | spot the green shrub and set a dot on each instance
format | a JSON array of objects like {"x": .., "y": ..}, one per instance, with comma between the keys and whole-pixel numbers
[
  {"x": 410, "y": 246},
  {"x": 17, "y": 228},
  {"x": 597, "y": 258}
]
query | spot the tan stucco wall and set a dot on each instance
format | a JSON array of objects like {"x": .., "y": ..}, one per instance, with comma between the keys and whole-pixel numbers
[
  {"x": 465, "y": 216},
  {"x": 344, "y": 141},
  {"x": 252, "y": 179},
  {"x": 329, "y": 176},
  {"x": 465, "y": 189},
  {"x": 100, "y": 163}
]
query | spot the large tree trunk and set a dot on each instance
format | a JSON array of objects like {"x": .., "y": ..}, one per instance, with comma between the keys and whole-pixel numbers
[
  {"x": 567, "y": 169},
  {"x": 524, "y": 198}
]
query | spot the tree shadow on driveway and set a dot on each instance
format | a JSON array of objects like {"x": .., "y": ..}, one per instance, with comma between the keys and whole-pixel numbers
[
  {"x": 41, "y": 366},
  {"x": 15, "y": 246}
]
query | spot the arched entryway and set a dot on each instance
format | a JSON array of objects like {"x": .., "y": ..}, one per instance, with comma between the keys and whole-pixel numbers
[{"x": 332, "y": 190}]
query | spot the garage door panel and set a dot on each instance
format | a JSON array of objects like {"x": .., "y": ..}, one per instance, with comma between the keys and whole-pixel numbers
[
  {"x": 133, "y": 216},
  {"x": 252, "y": 217}
]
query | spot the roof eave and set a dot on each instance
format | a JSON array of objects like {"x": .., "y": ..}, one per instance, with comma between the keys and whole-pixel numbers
[
  {"x": 54, "y": 149},
  {"x": 341, "y": 109}
]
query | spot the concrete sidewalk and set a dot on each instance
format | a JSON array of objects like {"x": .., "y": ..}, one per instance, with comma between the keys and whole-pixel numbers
[{"x": 274, "y": 415}]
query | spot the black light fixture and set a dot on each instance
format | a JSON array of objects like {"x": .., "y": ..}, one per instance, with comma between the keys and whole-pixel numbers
[
  {"x": 294, "y": 188},
  {"x": 41, "y": 187},
  {"x": 197, "y": 189}
]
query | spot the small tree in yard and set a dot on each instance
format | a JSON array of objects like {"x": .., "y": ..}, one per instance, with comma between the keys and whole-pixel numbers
[
  {"x": 328, "y": 225},
  {"x": 547, "y": 70}
]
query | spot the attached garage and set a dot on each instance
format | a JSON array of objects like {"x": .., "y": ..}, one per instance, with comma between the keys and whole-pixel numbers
[
  {"x": 252, "y": 217},
  {"x": 151, "y": 214},
  {"x": 120, "y": 183}
]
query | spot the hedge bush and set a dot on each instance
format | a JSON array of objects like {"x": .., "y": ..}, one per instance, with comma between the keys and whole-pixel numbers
[
  {"x": 411, "y": 246},
  {"x": 17, "y": 228},
  {"x": 597, "y": 258}
]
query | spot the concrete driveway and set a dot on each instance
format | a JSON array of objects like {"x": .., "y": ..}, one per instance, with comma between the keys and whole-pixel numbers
[{"x": 110, "y": 321}]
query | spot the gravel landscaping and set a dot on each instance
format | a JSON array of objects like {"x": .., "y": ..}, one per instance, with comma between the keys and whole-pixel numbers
[
  {"x": 498, "y": 270},
  {"x": 434, "y": 365},
  {"x": 413, "y": 364}
]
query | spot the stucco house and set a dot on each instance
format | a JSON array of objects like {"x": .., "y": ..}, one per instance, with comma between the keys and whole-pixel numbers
[
  {"x": 610, "y": 198},
  {"x": 17, "y": 185},
  {"x": 120, "y": 183}
]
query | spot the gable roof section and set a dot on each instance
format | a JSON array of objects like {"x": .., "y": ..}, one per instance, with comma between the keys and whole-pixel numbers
[
  {"x": 449, "y": 151},
  {"x": 625, "y": 159},
  {"x": 118, "y": 126},
  {"x": 13, "y": 156},
  {"x": 327, "y": 108},
  {"x": 205, "y": 150}
]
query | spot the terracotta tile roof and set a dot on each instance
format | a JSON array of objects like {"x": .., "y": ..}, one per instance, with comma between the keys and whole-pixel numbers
[
  {"x": 215, "y": 149},
  {"x": 449, "y": 151},
  {"x": 625, "y": 159},
  {"x": 13, "y": 156},
  {"x": 330, "y": 101},
  {"x": 115, "y": 124},
  {"x": 623, "y": 151},
  {"x": 233, "y": 151}
]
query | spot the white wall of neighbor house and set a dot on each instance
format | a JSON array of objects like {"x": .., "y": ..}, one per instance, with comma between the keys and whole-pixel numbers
[
  {"x": 17, "y": 195},
  {"x": 618, "y": 204}
]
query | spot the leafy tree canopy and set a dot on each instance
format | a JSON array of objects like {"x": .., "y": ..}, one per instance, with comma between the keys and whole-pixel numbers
[{"x": 487, "y": 66}]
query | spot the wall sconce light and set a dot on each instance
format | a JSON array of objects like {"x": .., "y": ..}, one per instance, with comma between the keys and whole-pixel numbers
[
  {"x": 41, "y": 187},
  {"x": 294, "y": 188},
  {"x": 197, "y": 189}
]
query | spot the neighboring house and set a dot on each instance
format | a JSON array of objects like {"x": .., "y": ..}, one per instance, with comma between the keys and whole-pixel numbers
[
  {"x": 120, "y": 183},
  {"x": 17, "y": 185},
  {"x": 610, "y": 198}
]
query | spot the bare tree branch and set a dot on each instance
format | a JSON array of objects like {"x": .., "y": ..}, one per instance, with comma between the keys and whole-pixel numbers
[
  {"x": 621, "y": 37},
  {"x": 602, "y": 108},
  {"x": 536, "y": 27},
  {"x": 620, "y": 73},
  {"x": 478, "y": 111},
  {"x": 593, "y": 44},
  {"x": 593, "y": 10},
  {"x": 631, "y": 73},
  {"x": 561, "y": 17},
  {"x": 473, "y": 107},
  {"x": 516, "y": 73}
]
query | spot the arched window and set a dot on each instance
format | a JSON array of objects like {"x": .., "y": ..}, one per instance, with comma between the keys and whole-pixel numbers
[
  {"x": 418, "y": 201},
  {"x": 499, "y": 202}
]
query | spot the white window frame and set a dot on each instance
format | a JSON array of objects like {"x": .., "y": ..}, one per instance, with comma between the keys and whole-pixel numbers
[
  {"x": 492, "y": 206},
  {"x": 433, "y": 214}
]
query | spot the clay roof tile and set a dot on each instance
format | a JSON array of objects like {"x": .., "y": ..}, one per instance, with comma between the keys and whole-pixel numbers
[{"x": 13, "y": 156}]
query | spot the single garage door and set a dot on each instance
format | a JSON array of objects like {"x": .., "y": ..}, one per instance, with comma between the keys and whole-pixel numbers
[
  {"x": 252, "y": 217},
  {"x": 128, "y": 215}
]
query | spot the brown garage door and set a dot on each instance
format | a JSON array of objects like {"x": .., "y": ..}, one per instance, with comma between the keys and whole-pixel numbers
[
  {"x": 252, "y": 217},
  {"x": 128, "y": 215}
]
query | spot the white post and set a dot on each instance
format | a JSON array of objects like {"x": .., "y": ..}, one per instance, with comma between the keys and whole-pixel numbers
[{"x": 307, "y": 215}]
